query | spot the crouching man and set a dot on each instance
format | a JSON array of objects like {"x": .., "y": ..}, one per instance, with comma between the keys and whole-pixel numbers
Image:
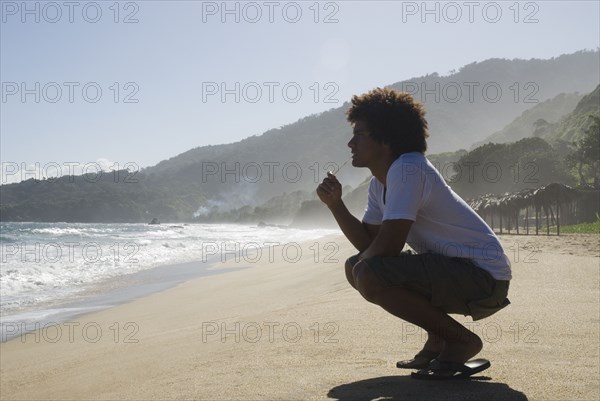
[{"x": 459, "y": 266}]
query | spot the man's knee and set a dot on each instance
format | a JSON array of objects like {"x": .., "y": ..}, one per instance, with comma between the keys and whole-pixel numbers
[
  {"x": 366, "y": 282},
  {"x": 349, "y": 266}
]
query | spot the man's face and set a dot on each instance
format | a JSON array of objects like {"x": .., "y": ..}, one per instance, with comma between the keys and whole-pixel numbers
[{"x": 365, "y": 150}]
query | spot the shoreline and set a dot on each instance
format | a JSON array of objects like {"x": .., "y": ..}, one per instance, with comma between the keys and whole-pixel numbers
[
  {"x": 283, "y": 330},
  {"x": 117, "y": 290},
  {"x": 104, "y": 295}
]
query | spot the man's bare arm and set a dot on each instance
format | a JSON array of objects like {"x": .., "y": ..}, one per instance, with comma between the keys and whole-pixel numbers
[
  {"x": 359, "y": 234},
  {"x": 389, "y": 240}
]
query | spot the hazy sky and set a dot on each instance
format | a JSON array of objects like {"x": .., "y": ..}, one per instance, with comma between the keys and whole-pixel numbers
[{"x": 136, "y": 82}]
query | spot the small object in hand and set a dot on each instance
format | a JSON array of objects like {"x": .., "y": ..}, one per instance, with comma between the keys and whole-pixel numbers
[{"x": 339, "y": 168}]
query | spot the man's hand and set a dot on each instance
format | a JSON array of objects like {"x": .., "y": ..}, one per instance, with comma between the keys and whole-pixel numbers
[
  {"x": 359, "y": 234},
  {"x": 330, "y": 190}
]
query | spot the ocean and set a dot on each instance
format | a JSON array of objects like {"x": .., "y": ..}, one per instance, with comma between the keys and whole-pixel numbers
[{"x": 55, "y": 270}]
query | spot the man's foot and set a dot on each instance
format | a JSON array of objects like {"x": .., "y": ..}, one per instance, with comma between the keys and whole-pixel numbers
[
  {"x": 438, "y": 370},
  {"x": 420, "y": 361},
  {"x": 461, "y": 352}
]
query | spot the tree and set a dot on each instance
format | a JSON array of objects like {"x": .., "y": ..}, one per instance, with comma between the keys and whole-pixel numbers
[{"x": 586, "y": 155}]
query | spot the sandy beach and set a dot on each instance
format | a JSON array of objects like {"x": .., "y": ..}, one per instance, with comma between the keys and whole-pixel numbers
[{"x": 289, "y": 327}]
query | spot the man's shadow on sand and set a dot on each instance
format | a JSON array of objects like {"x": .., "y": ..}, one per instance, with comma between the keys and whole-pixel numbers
[{"x": 409, "y": 389}]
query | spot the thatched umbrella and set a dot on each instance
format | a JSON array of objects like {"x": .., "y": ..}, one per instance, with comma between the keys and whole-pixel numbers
[{"x": 510, "y": 205}]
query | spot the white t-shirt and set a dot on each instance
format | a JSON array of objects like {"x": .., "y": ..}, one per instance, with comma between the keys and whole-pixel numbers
[{"x": 442, "y": 222}]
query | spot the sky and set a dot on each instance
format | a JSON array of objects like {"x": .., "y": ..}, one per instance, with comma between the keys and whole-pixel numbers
[{"x": 125, "y": 84}]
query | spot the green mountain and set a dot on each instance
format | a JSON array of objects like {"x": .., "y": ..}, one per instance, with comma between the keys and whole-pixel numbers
[
  {"x": 572, "y": 126},
  {"x": 109, "y": 197},
  {"x": 562, "y": 119},
  {"x": 508, "y": 167},
  {"x": 535, "y": 119},
  {"x": 461, "y": 110}
]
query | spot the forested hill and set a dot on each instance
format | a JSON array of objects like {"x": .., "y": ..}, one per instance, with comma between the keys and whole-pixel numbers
[
  {"x": 462, "y": 108},
  {"x": 561, "y": 119},
  {"x": 566, "y": 151},
  {"x": 535, "y": 118},
  {"x": 572, "y": 127},
  {"x": 494, "y": 92}
]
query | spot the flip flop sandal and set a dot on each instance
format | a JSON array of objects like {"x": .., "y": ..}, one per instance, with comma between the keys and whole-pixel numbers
[
  {"x": 420, "y": 361},
  {"x": 444, "y": 370}
]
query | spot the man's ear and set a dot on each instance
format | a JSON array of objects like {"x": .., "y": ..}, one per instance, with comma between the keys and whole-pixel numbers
[{"x": 388, "y": 150}]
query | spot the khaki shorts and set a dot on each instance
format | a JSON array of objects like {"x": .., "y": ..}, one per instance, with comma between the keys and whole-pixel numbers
[{"x": 454, "y": 285}]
